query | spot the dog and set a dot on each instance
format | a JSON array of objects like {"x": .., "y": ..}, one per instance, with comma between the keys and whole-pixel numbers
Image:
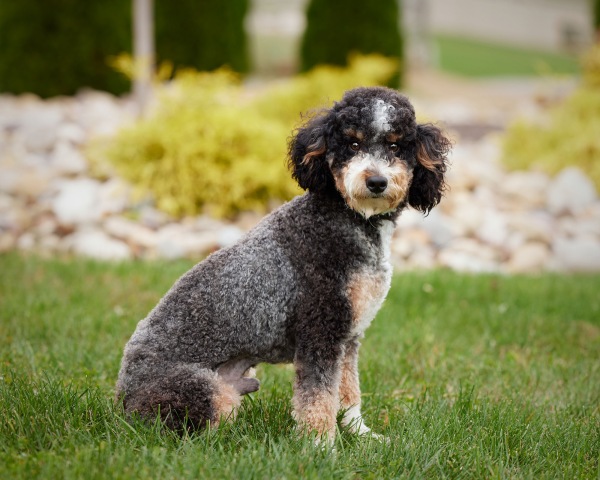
[{"x": 302, "y": 286}]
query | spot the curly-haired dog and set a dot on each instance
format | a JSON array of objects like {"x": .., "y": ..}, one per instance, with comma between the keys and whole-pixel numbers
[{"x": 303, "y": 285}]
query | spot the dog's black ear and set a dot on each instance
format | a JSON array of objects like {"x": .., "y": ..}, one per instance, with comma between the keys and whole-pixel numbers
[
  {"x": 307, "y": 151},
  {"x": 428, "y": 182}
]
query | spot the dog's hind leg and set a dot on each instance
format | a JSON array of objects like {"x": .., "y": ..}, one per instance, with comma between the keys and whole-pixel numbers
[{"x": 186, "y": 396}]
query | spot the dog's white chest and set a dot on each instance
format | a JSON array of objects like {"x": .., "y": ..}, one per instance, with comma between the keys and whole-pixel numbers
[{"x": 368, "y": 288}]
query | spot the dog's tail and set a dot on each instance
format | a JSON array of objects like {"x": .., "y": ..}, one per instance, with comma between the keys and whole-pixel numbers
[{"x": 186, "y": 396}]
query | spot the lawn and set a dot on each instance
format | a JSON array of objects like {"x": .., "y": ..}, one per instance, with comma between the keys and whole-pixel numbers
[
  {"x": 469, "y": 377},
  {"x": 476, "y": 58}
]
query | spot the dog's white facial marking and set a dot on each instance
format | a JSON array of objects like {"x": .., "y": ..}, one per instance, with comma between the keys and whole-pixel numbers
[
  {"x": 381, "y": 116},
  {"x": 354, "y": 176},
  {"x": 351, "y": 183}
]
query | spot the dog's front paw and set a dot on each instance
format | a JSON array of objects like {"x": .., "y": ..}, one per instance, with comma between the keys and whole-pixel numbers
[
  {"x": 380, "y": 438},
  {"x": 354, "y": 423},
  {"x": 365, "y": 432}
]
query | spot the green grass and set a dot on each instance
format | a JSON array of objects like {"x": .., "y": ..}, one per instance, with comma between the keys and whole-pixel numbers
[
  {"x": 469, "y": 377},
  {"x": 475, "y": 58}
]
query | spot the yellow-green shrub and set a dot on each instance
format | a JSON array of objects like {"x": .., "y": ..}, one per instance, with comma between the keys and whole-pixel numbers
[
  {"x": 213, "y": 146},
  {"x": 570, "y": 137},
  {"x": 323, "y": 85}
]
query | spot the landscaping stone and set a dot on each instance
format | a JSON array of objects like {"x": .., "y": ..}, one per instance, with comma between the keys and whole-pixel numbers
[
  {"x": 77, "y": 201},
  {"x": 531, "y": 257},
  {"x": 570, "y": 192},
  {"x": 490, "y": 220},
  {"x": 99, "y": 245},
  {"x": 67, "y": 159},
  {"x": 580, "y": 254}
]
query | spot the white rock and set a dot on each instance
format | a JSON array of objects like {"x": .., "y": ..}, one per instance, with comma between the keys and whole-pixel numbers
[
  {"x": 67, "y": 159},
  {"x": 71, "y": 132},
  {"x": 229, "y": 236},
  {"x": 579, "y": 226},
  {"x": 422, "y": 258},
  {"x": 468, "y": 255},
  {"x": 474, "y": 165},
  {"x": 6, "y": 202},
  {"x": 466, "y": 215},
  {"x": 8, "y": 241},
  {"x": 410, "y": 218},
  {"x": 130, "y": 231},
  {"x": 153, "y": 218},
  {"x": 527, "y": 189},
  {"x": 114, "y": 196},
  {"x": 45, "y": 225},
  {"x": 536, "y": 226},
  {"x": 50, "y": 244},
  {"x": 39, "y": 124},
  {"x": 576, "y": 254},
  {"x": 17, "y": 219},
  {"x": 26, "y": 241},
  {"x": 570, "y": 192},
  {"x": 494, "y": 228},
  {"x": 22, "y": 181},
  {"x": 77, "y": 201},
  {"x": 407, "y": 241},
  {"x": 97, "y": 244},
  {"x": 437, "y": 225},
  {"x": 100, "y": 113},
  {"x": 175, "y": 241},
  {"x": 465, "y": 262},
  {"x": 531, "y": 257}
]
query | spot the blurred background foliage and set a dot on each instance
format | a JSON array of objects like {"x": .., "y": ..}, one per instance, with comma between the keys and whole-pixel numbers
[
  {"x": 185, "y": 28},
  {"x": 569, "y": 135},
  {"x": 216, "y": 142},
  {"x": 56, "y": 47},
  {"x": 212, "y": 146},
  {"x": 358, "y": 26}
]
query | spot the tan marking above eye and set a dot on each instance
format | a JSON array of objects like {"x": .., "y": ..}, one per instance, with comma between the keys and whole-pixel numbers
[{"x": 354, "y": 134}]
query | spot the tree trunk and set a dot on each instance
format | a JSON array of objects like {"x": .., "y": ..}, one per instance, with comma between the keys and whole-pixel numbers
[{"x": 143, "y": 51}]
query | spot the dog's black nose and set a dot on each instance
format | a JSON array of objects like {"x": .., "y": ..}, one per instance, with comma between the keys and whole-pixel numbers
[{"x": 376, "y": 183}]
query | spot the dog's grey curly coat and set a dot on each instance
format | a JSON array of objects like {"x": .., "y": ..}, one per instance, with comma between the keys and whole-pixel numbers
[{"x": 300, "y": 287}]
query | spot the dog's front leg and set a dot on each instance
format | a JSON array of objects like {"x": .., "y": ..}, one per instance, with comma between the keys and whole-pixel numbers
[
  {"x": 316, "y": 390},
  {"x": 350, "y": 391},
  {"x": 350, "y": 400}
]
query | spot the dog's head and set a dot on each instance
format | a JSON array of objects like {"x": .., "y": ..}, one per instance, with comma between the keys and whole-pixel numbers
[{"x": 369, "y": 148}]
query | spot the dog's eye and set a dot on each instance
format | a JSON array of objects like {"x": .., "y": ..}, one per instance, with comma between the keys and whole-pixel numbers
[
  {"x": 394, "y": 147},
  {"x": 355, "y": 146}
]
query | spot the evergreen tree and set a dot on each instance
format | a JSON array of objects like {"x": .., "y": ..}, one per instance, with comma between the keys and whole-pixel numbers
[
  {"x": 334, "y": 30},
  {"x": 55, "y": 47},
  {"x": 204, "y": 34}
]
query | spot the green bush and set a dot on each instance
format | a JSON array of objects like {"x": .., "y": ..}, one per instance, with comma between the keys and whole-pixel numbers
[
  {"x": 569, "y": 137},
  {"x": 203, "y": 34},
  {"x": 212, "y": 146},
  {"x": 334, "y": 31},
  {"x": 55, "y": 47}
]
